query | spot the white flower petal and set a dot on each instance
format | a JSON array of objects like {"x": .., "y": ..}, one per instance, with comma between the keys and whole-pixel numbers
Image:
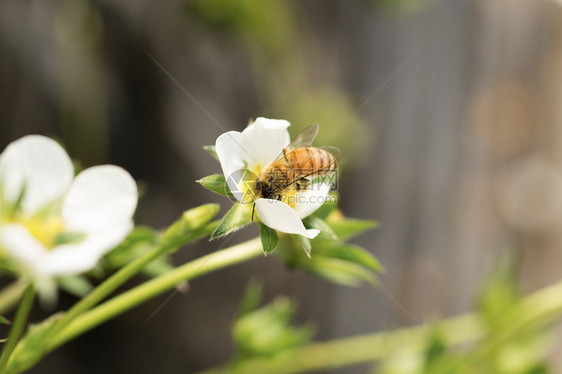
[
  {"x": 40, "y": 165},
  {"x": 230, "y": 152},
  {"x": 258, "y": 145},
  {"x": 100, "y": 197},
  {"x": 264, "y": 141},
  {"x": 76, "y": 258},
  {"x": 307, "y": 201},
  {"x": 281, "y": 217},
  {"x": 21, "y": 245}
]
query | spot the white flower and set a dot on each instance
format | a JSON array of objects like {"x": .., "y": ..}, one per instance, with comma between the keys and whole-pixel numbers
[
  {"x": 255, "y": 148},
  {"x": 52, "y": 224}
]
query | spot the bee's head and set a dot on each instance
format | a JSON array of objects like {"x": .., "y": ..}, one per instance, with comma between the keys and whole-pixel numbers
[
  {"x": 259, "y": 186},
  {"x": 262, "y": 188}
]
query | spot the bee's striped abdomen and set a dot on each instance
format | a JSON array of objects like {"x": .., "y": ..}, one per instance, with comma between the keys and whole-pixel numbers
[{"x": 311, "y": 161}]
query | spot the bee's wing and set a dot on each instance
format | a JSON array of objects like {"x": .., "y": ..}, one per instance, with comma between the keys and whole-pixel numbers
[{"x": 304, "y": 138}]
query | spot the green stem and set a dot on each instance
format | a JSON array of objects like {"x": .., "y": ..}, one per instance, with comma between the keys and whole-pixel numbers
[
  {"x": 126, "y": 273},
  {"x": 130, "y": 299},
  {"x": 356, "y": 349},
  {"x": 18, "y": 326},
  {"x": 10, "y": 295},
  {"x": 534, "y": 311}
]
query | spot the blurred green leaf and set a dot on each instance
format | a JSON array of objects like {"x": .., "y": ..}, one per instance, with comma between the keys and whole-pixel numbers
[
  {"x": 269, "y": 238},
  {"x": 4, "y": 320},
  {"x": 304, "y": 243},
  {"x": 217, "y": 184},
  {"x": 339, "y": 271},
  {"x": 77, "y": 285},
  {"x": 328, "y": 207},
  {"x": 499, "y": 293},
  {"x": 347, "y": 228},
  {"x": 251, "y": 299},
  {"x": 318, "y": 223},
  {"x": 353, "y": 253},
  {"x": 267, "y": 331},
  {"x": 237, "y": 217}
]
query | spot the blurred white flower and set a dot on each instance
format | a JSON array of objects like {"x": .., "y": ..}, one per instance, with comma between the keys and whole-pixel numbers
[
  {"x": 52, "y": 224},
  {"x": 254, "y": 149}
]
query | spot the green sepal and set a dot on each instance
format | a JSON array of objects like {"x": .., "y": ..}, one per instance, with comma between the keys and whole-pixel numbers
[
  {"x": 304, "y": 243},
  {"x": 340, "y": 271},
  {"x": 212, "y": 151},
  {"x": 355, "y": 254},
  {"x": 237, "y": 217},
  {"x": 68, "y": 237},
  {"x": 269, "y": 238},
  {"x": 78, "y": 286},
  {"x": 217, "y": 184},
  {"x": 348, "y": 228},
  {"x": 139, "y": 241}
]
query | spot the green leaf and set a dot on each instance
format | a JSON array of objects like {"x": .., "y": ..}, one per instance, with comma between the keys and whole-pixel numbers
[
  {"x": 4, "y": 320},
  {"x": 269, "y": 238},
  {"x": 212, "y": 151},
  {"x": 499, "y": 294},
  {"x": 304, "y": 243},
  {"x": 340, "y": 271},
  {"x": 76, "y": 285},
  {"x": 217, "y": 184},
  {"x": 267, "y": 331},
  {"x": 237, "y": 217},
  {"x": 436, "y": 346},
  {"x": 252, "y": 298},
  {"x": 353, "y": 253},
  {"x": 347, "y": 228}
]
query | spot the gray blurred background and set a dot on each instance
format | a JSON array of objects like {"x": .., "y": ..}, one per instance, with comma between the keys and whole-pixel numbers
[{"x": 448, "y": 114}]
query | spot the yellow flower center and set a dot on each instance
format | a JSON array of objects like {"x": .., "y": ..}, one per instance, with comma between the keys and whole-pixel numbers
[
  {"x": 45, "y": 230},
  {"x": 250, "y": 193}
]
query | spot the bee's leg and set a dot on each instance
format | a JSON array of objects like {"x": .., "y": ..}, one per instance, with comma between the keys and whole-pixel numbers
[{"x": 253, "y": 210}]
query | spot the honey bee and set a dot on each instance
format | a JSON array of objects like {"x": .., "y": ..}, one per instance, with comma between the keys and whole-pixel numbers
[{"x": 294, "y": 169}]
